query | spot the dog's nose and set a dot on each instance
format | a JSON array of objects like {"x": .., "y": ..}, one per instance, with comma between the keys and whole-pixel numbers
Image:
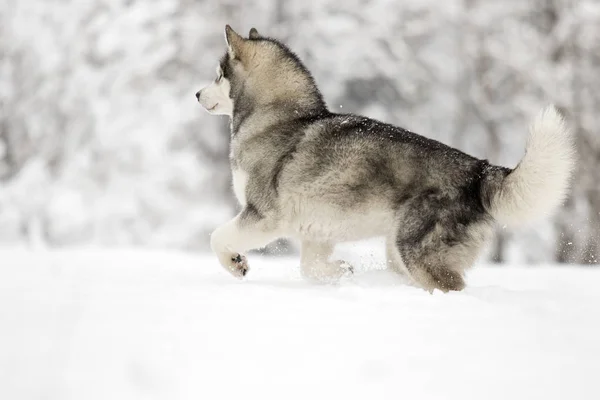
[{"x": 198, "y": 95}]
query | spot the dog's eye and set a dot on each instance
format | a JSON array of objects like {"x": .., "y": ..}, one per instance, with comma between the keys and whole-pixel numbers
[{"x": 219, "y": 78}]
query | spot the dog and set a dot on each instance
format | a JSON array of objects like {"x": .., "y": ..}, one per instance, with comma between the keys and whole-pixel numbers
[{"x": 302, "y": 171}]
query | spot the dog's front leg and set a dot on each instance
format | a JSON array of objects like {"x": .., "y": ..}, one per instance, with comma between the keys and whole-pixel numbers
[
  {"x": 248, "y": 230},
  {"x": 315, "y": 264}
]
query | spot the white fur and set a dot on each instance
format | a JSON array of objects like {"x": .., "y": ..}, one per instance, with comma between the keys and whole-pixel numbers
[
  {"x": 320, "y": 222},
  {"x": 231, "y": 239},
  {"x": 541, "y": 180},
  {"x": 215, "y": 97},
  {"x": 315, "y": 264},
  {"x": 240, "y": 179}
]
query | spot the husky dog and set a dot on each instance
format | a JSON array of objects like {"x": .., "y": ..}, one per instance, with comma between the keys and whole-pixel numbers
[{"x": 302, "y": 171}]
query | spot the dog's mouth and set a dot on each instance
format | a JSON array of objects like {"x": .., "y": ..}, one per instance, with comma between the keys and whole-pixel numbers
[{"x": 212, "y": 108}]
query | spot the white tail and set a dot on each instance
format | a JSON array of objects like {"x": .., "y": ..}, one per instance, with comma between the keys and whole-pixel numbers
[{"x": 541, "y": 180}]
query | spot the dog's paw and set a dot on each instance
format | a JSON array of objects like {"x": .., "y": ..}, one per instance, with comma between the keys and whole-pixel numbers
[
  {"x": 330, "y": 272},
  {"x": 348, "y": 270},
  {"x": 236, "y": 264}
]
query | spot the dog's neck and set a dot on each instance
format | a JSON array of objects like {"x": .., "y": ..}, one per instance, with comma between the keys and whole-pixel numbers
[{"x": 265, "y": 112}]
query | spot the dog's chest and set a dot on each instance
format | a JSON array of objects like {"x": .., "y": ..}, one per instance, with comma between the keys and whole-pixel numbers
[{"x": 240, "y": 180}]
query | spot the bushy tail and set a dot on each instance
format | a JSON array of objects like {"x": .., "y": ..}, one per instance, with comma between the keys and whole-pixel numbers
[{"x": 541, "y": 180}]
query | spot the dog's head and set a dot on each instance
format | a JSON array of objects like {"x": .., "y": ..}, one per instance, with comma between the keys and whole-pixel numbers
[{"x": 262, "y": 71}]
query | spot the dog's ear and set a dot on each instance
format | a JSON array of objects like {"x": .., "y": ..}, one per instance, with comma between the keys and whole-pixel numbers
[
  {"x": 234, "y": 42},
  {"x": 254, "y": 34}
]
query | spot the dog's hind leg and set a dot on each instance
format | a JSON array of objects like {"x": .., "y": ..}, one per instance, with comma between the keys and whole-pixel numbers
[
  {"x": 439, "y": 236},
  {"x": 315, "y": 264},
  {"x": 393, "y": 258},
  {"x": 440, "y": 276},
  {"x": 419, "y": 272},
  {"x": 438, "y": 259},
  {"x": 432, "y": 263}
]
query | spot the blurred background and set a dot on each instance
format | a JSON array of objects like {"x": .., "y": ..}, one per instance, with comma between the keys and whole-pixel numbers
[{"x": 103, "y": 144}]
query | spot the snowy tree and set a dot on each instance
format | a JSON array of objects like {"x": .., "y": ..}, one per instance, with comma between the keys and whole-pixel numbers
[{"x": 101, "y": 140}]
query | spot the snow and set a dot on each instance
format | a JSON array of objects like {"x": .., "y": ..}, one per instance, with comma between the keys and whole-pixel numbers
[{"x": 139, "y": 324}]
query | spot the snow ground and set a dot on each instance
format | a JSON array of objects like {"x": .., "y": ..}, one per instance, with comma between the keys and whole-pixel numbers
[{"x": 161, "y": 325}]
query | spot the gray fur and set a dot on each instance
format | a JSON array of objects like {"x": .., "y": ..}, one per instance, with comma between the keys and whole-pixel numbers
[{"x": 324, "y": 177}]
